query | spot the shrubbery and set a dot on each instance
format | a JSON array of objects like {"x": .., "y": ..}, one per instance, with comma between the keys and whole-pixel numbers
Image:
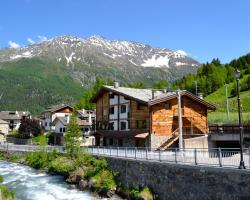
[
  {"x": 6, "y": 193},
  {"x": 62, "y": 165}
]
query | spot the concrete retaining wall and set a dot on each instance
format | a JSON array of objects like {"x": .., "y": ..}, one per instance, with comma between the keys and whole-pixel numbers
[{"x": 183, "y": 182}]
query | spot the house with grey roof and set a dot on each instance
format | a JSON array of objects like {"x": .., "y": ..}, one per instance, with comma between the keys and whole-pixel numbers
[
  {"x": 14, "y": 118},
  {"x": 132, "y": 117}
]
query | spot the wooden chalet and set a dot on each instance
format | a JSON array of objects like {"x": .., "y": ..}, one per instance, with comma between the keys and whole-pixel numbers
[{"x": 145, "y": 118}]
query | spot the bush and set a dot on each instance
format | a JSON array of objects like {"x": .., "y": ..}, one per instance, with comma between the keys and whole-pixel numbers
[
  {"x": 146, "y": 193},
  {"x": 40, "y": 159},
  {"x": 7, "y": 194},
  {"x": 14, "y": 134},
  {"x": 39, "y": 140},
  {"x": 103, "y": 181},
  {"x": 29, "y": 127},
  {"x": 94, "y": 166},
  {"x": 1, "y": 179},
  {"x": 62, "y": 165}
]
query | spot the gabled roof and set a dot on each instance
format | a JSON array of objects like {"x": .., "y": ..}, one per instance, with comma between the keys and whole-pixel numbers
[
  {"x": 3, "y": 122},
  {"x": 171, "y": 95},
  {"x": 12, "y": 115},
  {"x": 145, "y": 95},
  {"x": 63, "y": 120},
  {"x": 55, "y": 108},
  {"x": 142, "y": 95}
]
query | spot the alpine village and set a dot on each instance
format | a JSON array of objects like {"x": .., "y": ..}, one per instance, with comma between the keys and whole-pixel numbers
[{"x": 98, "y": 118}]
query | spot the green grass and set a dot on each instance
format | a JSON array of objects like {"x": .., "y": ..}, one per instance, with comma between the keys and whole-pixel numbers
[
  {"x": 221, "y": 118},
  {"x": 39, "y": 140},
  {"x": 218, "y": 98}
]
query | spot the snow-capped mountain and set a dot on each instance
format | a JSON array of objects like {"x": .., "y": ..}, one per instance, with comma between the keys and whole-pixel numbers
[{"x": 98, "y": 51}]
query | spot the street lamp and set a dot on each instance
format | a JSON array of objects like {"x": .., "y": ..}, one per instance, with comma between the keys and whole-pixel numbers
[{"x": 237, "y": 76}]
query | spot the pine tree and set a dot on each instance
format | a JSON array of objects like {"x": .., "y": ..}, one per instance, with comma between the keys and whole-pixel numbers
[{"x": 73, "y": 137}]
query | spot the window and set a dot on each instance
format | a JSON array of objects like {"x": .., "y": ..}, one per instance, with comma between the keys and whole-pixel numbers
[
  {"x": 167, "y": 105},
  {"x": 111, "y": 96},
  {"x": 86, "y": 129},
  {"x": 120, "y": 142},
  {"x": 111, "y": 142},
  {"x": 123, "y": 108},
  {"x": 141, "y": 124},
  {"x": 123, "y": 125},
  {"x": 64, "y": 129},
  {"x": 140, "y": 106},
  {"x": 60, "y": 130},
  {"x": 112, "y": 110},
  {"x": 111, "y": 126},
  {"x": 46, "y": 123}
]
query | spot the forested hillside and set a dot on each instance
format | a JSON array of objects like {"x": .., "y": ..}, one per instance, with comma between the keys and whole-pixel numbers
[{"x": 212, "y": 76}]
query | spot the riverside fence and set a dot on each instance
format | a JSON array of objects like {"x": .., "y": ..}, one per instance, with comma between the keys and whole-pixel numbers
[{"x": 217, "y": 157}]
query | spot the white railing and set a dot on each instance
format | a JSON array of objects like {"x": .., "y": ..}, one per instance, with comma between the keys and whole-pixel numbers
[{"x": 220, "y": 157}]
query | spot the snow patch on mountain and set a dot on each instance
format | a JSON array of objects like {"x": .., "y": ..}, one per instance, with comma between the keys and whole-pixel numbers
[{"x": 156, "y": 61}]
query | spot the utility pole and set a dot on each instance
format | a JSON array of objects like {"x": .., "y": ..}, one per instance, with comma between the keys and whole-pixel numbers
[
  {"x": 227, "y": 102},
  {"x": 180, "y": 119}
]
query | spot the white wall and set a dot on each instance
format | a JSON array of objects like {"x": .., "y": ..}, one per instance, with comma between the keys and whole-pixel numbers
[{"x": 4, "y": 128}]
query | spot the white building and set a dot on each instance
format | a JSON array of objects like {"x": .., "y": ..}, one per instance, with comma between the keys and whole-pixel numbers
[
  {"x": 4, "y": 130},
  {"x": 52, "y": 112},
  {"x": 14, "y": 118}
]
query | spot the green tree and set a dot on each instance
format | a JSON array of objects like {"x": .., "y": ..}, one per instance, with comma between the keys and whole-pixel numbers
[
  {"x": 73, "y": 137},
  {"x": 137, "y": 85},
  {"x": 162, "y": 84}
]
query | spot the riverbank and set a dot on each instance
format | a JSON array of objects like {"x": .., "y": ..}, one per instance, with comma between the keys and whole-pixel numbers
[{"x": 85, "y": 172}]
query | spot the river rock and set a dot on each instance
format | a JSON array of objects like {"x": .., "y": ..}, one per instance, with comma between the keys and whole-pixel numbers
[
  {"x": 83, "y": 184},
  {"x": 75, "y": 176}
]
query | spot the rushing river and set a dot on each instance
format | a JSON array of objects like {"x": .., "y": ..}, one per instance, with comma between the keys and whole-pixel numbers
[{"x": 31, "y": 184}]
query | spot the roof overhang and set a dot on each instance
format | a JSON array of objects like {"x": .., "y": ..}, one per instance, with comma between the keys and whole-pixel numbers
[
  {"x": 104, "y": 89},
  {"x": 183, "y": 93}
]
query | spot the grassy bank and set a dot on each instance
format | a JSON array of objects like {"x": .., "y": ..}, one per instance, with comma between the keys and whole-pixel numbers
[
  {"x": 84, "y": 170},
  {"x": 221, "y": 118},
  {"x": 5, "y": 193}
]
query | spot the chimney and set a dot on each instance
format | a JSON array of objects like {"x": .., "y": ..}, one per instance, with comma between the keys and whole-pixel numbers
[
  {"x": 116, "y": 84},
  {"x": 153, "y": 94}
]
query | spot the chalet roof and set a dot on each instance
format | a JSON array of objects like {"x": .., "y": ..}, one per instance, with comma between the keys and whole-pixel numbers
[
  {"x": 13, "y": 115},
  {"x": 143, "y": 95},
  {"x": 86, "y": 113},
  {"x": 55, "y": 108},
  {"x": 63, "y": 120},
  {"x": 171, "y": 95},
  {"x": 3, "y": 122}
]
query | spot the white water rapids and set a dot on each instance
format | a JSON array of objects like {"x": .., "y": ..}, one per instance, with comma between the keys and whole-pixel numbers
[{"x": 31, "y": 184}]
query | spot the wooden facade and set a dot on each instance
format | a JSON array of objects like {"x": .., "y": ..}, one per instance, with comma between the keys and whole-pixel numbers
[{"x": 153, "y": 123}]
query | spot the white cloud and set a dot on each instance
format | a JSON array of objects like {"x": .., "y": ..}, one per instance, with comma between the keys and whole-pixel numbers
[
  {"x": 182, "y": 52},
  {"x": 42, "y": 38},
  {"x": 30, "y": 41},
  {"x": 14, "y": 45}
]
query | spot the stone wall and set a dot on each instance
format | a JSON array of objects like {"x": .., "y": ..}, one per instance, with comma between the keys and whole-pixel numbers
[
  {"x": 197, "y": 142},
  {"x": 19, "y": 141},
  {"x": 183, "y": 182}
]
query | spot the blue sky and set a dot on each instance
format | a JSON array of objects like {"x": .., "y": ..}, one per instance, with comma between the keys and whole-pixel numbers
[{"x": 205, "y": 29}]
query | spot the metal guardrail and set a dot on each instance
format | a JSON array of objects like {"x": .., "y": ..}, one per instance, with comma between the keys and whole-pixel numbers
[
  {"x": 228, "y": 128},
  {"x": 218, "y": 157}
]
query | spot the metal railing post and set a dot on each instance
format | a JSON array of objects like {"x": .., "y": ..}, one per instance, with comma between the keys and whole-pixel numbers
[
  {"x": 117, "y": 152},
  {"x": 146, "y": 153},
  {"x": 195, "y": 156},
  {"x": 220, "y": 158},
  {"x": 135, "y": 152},
  {"x": 98, "y": 150},
  {"x": 125, "y": 152},
  {"x": 249, "y": 156},
  {"x": 160, "y": 155},
  {"x": 175, "y": 155}
]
